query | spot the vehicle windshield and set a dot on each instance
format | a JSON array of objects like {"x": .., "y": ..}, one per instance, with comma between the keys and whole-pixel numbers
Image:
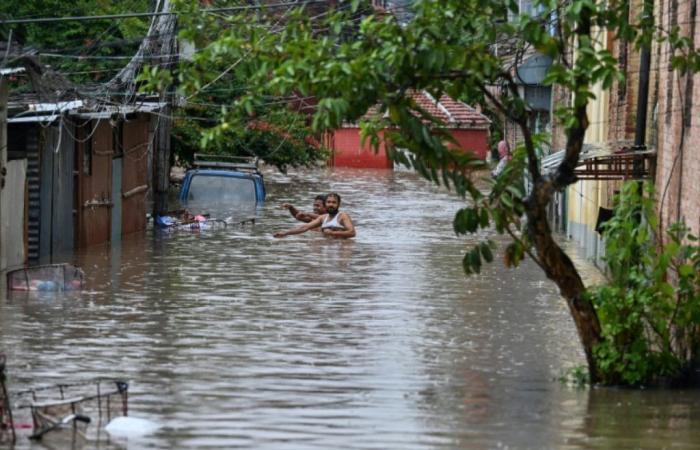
[{"x": 221, "y": 189}]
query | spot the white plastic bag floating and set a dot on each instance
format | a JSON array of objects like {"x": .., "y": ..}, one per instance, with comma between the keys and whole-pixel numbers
[{"x": 131, "y": 426}]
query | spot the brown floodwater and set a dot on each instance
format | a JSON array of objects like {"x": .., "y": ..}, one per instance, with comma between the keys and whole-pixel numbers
[{"x": 233, "y": 339}]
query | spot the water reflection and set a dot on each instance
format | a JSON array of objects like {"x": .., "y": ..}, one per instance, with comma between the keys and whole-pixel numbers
[{"x": 234, "y": 339}]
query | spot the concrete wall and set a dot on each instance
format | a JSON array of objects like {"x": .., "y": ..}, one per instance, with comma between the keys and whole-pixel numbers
[{"x": 584, "y": 199}]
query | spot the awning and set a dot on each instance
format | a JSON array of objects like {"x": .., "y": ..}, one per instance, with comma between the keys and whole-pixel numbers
[
  {"x": 28, "y": 119},
  {"x": 596, "y": 163},
  {"x": 11, "y": 70},
  {"x": 120, "y": 110},
  {"x": 58, "y": 106}
]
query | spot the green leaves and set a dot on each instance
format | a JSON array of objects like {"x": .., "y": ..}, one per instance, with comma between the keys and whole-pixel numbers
[
  {"x": 471, "y": 263},
  {"x": 97, "y": 40},
  {"x": 330, "y": 113},
  {"x": 514, "y": 254},
  {"x": 650, "y": 309},
  {"x": 485, "y": 249},
  {"x": 474, "y": 258},
  {"x": 468, "y": 220}
]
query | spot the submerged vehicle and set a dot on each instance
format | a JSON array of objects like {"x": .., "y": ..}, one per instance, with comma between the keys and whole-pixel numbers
[
  {"x": 223, "y": 186},
  {"x": 182, "y": 219},
  {"x": 77, "y": 410},
  {"x": 219, "y": 179}
]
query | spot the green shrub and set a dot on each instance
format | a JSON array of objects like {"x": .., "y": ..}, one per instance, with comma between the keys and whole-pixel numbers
[{"x": 650, "y": 307}]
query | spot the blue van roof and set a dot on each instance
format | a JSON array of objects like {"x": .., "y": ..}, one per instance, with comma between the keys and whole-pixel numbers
[{"x": 222, "y": 173}]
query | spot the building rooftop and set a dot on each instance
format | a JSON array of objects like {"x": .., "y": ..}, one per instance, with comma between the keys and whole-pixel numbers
[{"x": 453, "y": 114}]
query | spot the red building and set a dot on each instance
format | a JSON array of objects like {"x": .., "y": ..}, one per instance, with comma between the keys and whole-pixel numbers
[{"x": 468, "y": 126}]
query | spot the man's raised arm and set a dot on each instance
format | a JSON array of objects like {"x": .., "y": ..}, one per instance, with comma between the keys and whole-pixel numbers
[
  {"x": 301, "y": 228},
  {"x": 306, "y": 217},
  {"x": 292, "y": 210}
]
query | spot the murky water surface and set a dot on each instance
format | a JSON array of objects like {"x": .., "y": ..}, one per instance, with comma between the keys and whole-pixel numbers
[{"x": 233, "y": 339}]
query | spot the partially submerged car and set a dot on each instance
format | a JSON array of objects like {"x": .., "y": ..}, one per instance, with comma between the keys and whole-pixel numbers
[
  {"x": 222, "y": 180},
  {"x": 182, "y": 219}
]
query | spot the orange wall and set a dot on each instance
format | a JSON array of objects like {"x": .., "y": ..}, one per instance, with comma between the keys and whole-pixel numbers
[
  {"x": 476, "y": 141},
  {"x": 347, "y": 151}
]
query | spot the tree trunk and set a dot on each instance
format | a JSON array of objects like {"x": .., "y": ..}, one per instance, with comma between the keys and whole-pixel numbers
[
  {"x": 560, "y": 269},
  {"x": 556, "y": 263}
]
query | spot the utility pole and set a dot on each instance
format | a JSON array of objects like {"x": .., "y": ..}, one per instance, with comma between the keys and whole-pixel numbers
[
  {"x": 4, "y": 92},
  {"x": 159, "y": 41},
  {"x": 161, "y": 161},
  {"x": 161, "y": 152}
]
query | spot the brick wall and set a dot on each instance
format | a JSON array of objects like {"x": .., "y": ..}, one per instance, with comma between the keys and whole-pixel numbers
[
  {"x": 623, "y": 94},
  {"x": 678, "y": 160}
]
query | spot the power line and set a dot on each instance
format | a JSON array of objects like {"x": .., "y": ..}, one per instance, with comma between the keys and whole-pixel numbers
[
  {"x": 154, "y": 14},
  {"x": 101, "y": 43},
  {"x": 108, "y": 57}
]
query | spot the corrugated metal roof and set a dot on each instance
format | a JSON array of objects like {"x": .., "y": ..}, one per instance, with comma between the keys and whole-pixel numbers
[
  {"x": 58, "y": 106},
  {"x": 552, "y": 161},
  {"x": 35, "y": 118},
  {"x": 602, "y": 163},
  {"x": 11, "y": 70},
  {"x": 122, "y": 110},
  {"x": 78, "y": 109}
]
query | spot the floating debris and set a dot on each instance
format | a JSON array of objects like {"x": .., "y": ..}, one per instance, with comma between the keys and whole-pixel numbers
[
  {"x": 63, "y": 408},
  {"x": 51, "y": 277}
]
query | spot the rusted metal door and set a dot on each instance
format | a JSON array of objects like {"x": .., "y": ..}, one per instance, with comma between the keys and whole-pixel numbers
[
  {"x": 26, "y": 145},
  {"x": 56, "y": 192},
  {"x": 116, "y": 224},
  {"x": 95, "y": 199},
  {"x": 134, "y": 181}
]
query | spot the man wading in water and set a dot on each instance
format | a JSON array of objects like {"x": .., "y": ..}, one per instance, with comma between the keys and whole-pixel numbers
[
  {"x": 319, "y": 209},
  {"x": 334, "y": 224}
]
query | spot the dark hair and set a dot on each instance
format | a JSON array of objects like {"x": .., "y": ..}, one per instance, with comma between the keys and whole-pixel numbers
[
  {"x": 333, "y": 194},
  {"x": 321, "y": 197}
]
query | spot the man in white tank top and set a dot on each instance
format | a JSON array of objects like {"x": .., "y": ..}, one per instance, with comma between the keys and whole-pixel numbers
[{"x": 333, "y": 224}]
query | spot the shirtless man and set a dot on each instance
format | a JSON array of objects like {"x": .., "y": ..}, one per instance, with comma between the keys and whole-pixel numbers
[
  {"x": 333, "y": 223},
  {"x": 319, "y": 209}
]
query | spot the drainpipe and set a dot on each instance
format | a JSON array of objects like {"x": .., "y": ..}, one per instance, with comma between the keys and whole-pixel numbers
[
  {"x": 642, "y": 100},
  {"x": 643, "y": 93}
]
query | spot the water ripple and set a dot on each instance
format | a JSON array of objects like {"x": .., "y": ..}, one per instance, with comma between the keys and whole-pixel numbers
[{"x": 233, "y": 339}]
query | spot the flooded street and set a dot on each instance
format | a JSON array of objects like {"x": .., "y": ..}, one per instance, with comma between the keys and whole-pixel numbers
[{"x": 233, "y": 339}]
